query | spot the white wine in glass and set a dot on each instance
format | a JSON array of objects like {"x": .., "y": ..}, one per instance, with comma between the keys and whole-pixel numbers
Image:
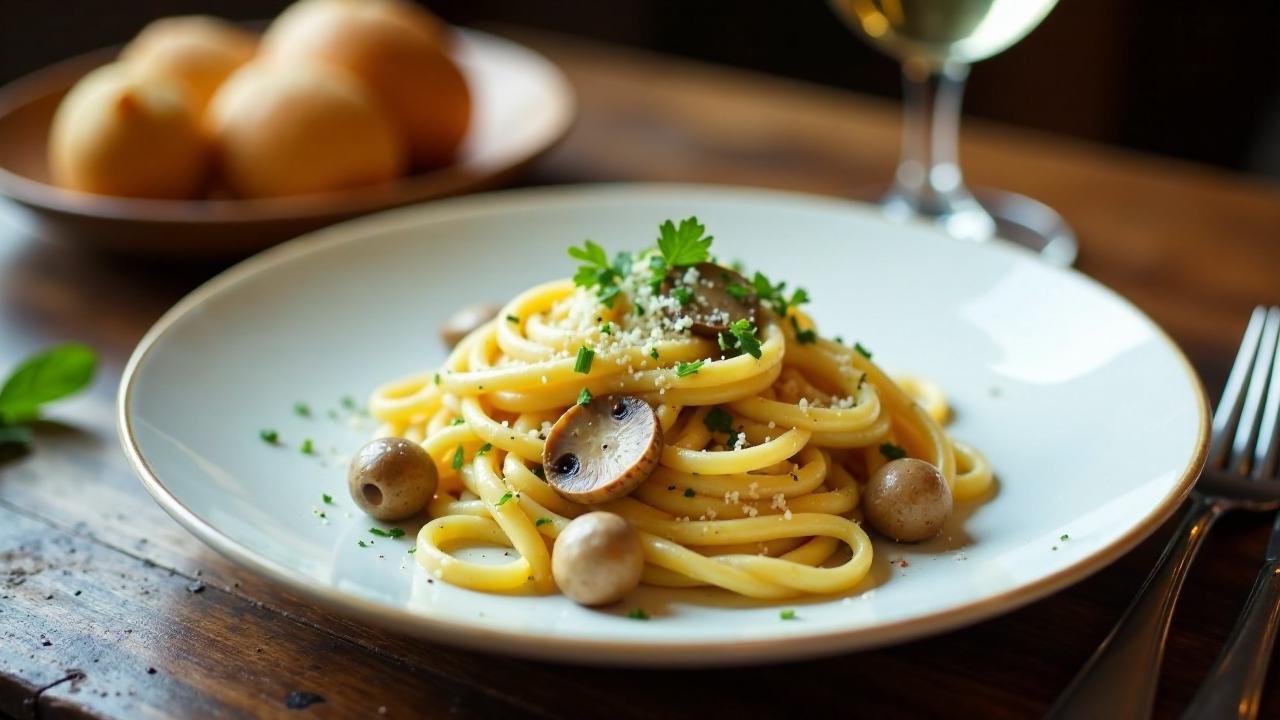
[{"x": 936, "y": 40}]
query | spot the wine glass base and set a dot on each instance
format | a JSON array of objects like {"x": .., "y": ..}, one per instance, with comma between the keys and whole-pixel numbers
[{"x": 1020, "y": 220}]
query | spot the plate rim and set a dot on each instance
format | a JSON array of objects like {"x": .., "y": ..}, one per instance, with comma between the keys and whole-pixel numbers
[{"x": 605, "y": 651}]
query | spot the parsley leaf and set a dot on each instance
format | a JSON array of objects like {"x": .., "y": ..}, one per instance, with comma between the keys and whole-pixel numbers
[
  {"x": 269, "y": 436},
  {"x": 308, "y": 447},
  {"x": 653, "y": 353},
  {"x": 687, "y": 244},
  {"x": 862, "y": 350},
  {"x": 458, "y": 455},
  {"x": 597, "y": 271},
  {"x": 60, "y": 371},
  {"x": 541, "y": 521},
  {"x": 583, "y": 363},
  {"x": 805, "y": 337},
  {"x": 892, "y": 452},
  {"x": 742, "y": 337},
  {"x": 683, "y": 295},
  {"x": 684, "y": 369},
  {"x": 394, "y": 532},
  {"x": 328, "y": 499},
  {"x": 437, "y": 378},
  {"x": 484, "y": 449},
  {"x": 301, "y": 409},
  {"x": 456, "y": 421},
  {"x": 775, "y": 296},
  {"x": 506, "y": 496},
  {"x": 584, "y": 397},
  {"x": 638, "y": 614},
  {"x": 787, "y": 614},
  {"x": 717, "y": 420}
]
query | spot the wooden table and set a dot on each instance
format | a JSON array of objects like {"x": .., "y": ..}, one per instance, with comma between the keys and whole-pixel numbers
[{"x": 108, "y": 608}]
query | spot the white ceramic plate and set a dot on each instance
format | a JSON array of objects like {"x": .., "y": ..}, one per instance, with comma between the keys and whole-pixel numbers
[{"x": 1093, "y": 419}]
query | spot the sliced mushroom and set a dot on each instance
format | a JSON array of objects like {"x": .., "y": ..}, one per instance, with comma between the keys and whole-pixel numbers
[
  {"x": 597, "y": 559},
  {"x": 465, "y": 321},
  {"x": 908, "y": 500},
  {"x": 392, "y": 478},
  {"x": 602, "y": 450},
  {"x": 719, "y": 297}
]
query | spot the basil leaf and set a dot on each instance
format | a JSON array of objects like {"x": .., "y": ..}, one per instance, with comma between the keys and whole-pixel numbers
[{"x": 55, "y": 373}]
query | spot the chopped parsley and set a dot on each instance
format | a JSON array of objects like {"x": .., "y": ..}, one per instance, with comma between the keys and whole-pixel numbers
[
  {"x": 738, "y": 290},
  {"x": 269, "y": 436},
  {"x": 1065, "y": 537},
  {"x": 684, "y": 369},
  {"x": 437, "y": 378},
  {"x": 775, "y": 296},
  {"x": 606, "y": 328},
  {"x": 503, "y": 500},
  {"x": 892, "y": 452},
  {"x": 348, "y": 402},
  {"x": 584, "y": 397},
  {"x": 457, "y": 458},
  {"x": 787, "y": 614},
  {"x": 862, "y": 381},
  {"x": 456, "y": 421},
  {"x": 301, "y": 409},
  {"x": 862, "y": 350},
  {"x": 327, "y": 498},
  {"x": 596, "y": 270},
  {"x": 683, "y": 295},
  {"x": 806, "y": 336},
  {"x": 717, "y": 420},
  {"x": 541, "y": 521},
  {"x": 412, "y": 550},
  {"x": 394, "y": 532},
  {"x": 362, "y": 543},
  {"x": 638, "y": 614},
  {"x": 583, "y": 363},
  {"x": 484, "y": 449},
  {"x": 688, "y": 492},
  {"x": 308, "y": 447},
  {"x": 742, "y": 338},
  {"x": 654, "y": 353},
  {"x": 687, "y": 244},
  {"x": 513, "y": 319}
]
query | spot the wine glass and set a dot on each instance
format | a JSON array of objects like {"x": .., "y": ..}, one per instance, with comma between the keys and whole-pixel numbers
[{"x": 936, "y": 40}]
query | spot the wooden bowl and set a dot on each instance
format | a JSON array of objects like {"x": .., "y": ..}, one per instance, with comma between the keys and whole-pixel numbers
[{"x": 522, "y": 105}]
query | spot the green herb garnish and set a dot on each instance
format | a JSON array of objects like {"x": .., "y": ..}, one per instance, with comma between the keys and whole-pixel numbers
[
  {"x": 513, "y": 319},
  {"x": 456, "y": 421},
  {"x": 503, "y": 500},
  {"x": 584, "y": 397},
  {"x": 412, "y": 550},
  {"x": 638, "y": 614},
  {"x": 484, "y": 449},
  {"x": 775, "y": 295},
  {"x": 741, "y": 337},
  {"x": 688, "y": 492},
  {"x": 362, "y": 543},
  {"x": 457, "y": 458},
  {"x": 327, "y": 498},
  {"x": 1065, "y": 537},
  {"x": 805, "y": 337},
  {"x": 892, "y": 452},
  {"x": 583, "y": 363},
  {"x": 50, "y": 375},
  {"x": 654, "y": 353},
  {"x": 717, "y": 420},
  {"x": 308, "y": 447},
  {"x": 787, "y": 614},
  {"x": 606, "y": 328},
  {"x": 598, "y": 272},
  {"x": 862, "y": 350},
  {"x": 348, "y": 402},
  {"x": 687, "y": 244},
  {"x": 541, "y": 521},
  {"x": 738, "y": 290},
  {"x": 684, "y": 369},
  {"x": 269, "y": 436},
  {"x": 394, "y": 532},
  {"x": 301, "y": 409},
  {"x": 683, "y": 295},
  {"x": 437, "y": 378}
]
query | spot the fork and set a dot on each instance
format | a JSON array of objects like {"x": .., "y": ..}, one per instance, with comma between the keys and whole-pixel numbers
[{"x": 1119, "y": 680}]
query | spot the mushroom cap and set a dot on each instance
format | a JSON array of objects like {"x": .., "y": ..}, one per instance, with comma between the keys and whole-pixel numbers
[
  {"x": 392, "y": 478},
  {"x": 712, "y": 307},
  {"x": 597, "y": 559},
  {"x": 602, "y": 450},
  {"x": 463, "y": 322},
  {"x": 907, "y": 500}
]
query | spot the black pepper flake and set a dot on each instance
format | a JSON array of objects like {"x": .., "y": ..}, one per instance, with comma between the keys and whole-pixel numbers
[
  {"x": 151, "y": 671},
  {"x": 196, "y": 587},
  {"x": 299, "y": 699},
  {"x": 77, "y": 593},
  {"x": 46, "y": 642}
]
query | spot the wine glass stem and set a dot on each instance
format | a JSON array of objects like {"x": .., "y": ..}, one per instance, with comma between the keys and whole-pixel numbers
[{"x": 928, "y": 181}]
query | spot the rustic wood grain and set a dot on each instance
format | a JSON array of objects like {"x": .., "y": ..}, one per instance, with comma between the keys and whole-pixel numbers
[{"x": 1194, "y": 248}]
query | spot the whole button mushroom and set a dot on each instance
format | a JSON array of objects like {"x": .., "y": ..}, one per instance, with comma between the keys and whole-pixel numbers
[
  {"x": 465, "y": 321},
  {"x": 597, "y": 559},
  {"x": 719, "y": 298},
  {"x": 392, "y": 478},
  {"x": 602, "y": 450},
  {"x": 907, "y": 500}
]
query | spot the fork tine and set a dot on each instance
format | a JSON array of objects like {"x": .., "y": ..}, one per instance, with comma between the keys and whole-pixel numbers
[
  {"x": 1265, "y": 457},
  {"x": 1228, "y": 412},
  {"x": 1247, "y": 431}
]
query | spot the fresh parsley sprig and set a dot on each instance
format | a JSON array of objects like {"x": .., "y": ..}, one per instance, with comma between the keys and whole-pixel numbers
[
  {"x": 597, "y": 272},
  {"x": 775, "y": 295},
  {"x": 741, "y": 338},
  {"x": 687, "y": 244}
]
